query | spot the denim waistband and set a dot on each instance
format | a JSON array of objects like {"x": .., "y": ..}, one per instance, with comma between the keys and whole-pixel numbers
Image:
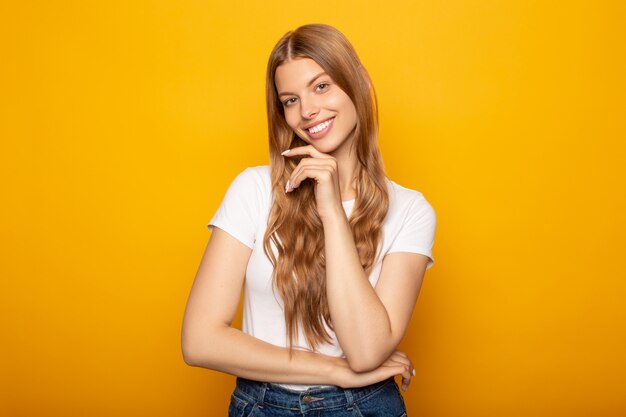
[{"x": 267, "y": 393}]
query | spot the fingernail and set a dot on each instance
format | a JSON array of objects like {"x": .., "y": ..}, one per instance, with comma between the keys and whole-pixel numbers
[
  {"x": 287, "y": 186},
  {"x": 284, "y": 152},
  {"x": 413, "y": 372}
]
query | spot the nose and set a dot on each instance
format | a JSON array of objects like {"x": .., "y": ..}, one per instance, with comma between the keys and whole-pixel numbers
[{"x": 309, "y": 109}]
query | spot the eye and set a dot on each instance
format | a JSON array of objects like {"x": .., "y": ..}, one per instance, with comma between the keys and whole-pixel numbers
[
  {"x": 289, "y": 101},
  {"x": 322, "y": 86}
]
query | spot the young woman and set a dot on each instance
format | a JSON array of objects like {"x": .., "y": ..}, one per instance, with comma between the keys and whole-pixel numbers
[{"x": 330, "y": 253}]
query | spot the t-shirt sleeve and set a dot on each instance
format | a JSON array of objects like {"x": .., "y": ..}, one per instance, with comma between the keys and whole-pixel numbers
[
  {"x": 417, "y": 233},
  {"x": 238, "y": 214}
]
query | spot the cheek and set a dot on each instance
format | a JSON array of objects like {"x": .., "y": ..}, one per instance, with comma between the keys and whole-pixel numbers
[
  {"x": 343, "y": 103},
  {"x": 291, "y": 118},
  {"x": 336, "y": 102},
  {"x": 348, "y": 109}
]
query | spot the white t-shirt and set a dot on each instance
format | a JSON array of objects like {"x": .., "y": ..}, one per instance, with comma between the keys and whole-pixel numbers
[{"x": 244, "y": 211}]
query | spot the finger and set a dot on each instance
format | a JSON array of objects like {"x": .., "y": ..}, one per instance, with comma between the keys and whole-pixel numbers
[
  {"x": 403, "y": 360},
  {"x": 391, "y": 371},
  {"x": 318, "y": 174},
  {"x": 395, "y": 361},
  {"x": 305, "y": 150},
  {"x": 406, "y": 378},
  {"x": 407, "y": 371},
  {"x": 398, "y": 357},
  {"x": 331, "y": 163},
  {"x": 402, "y": 357}
]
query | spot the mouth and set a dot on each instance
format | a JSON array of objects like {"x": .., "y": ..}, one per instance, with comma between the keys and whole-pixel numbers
[{"x": 321, "y": 129}]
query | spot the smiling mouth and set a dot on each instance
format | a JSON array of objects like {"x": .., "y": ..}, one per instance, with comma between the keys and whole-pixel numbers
[{"x": 320, "y": 128}]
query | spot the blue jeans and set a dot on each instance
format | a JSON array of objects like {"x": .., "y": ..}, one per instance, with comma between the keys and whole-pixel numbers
[{"x": 261, "y": 399}]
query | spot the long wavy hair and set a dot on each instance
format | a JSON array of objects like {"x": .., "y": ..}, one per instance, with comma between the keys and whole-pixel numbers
[{"x": 294, "y": 226}]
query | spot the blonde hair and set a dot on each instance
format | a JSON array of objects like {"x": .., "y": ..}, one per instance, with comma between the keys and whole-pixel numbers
[{"x": 294, "y": 225}]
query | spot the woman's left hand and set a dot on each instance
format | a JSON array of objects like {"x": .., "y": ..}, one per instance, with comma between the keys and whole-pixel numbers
[{"x": 323, "y": 169}]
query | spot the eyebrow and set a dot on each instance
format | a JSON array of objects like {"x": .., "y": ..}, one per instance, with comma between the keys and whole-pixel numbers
[{"x": 286, "y": 93}]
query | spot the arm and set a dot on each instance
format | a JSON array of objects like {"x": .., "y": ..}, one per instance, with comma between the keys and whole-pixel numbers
[
  {"x": 369, "y": 322},
  {"x": 208, "y": 341}
]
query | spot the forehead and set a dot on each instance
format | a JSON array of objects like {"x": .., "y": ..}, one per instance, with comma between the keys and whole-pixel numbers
[{"x": 296, "y": 74}]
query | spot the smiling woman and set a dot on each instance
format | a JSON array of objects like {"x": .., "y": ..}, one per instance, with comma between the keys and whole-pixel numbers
[{"x": 330, "y": 252}]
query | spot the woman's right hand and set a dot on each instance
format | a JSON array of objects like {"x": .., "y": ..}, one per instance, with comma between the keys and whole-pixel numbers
[{"x": 397, "y": 364}]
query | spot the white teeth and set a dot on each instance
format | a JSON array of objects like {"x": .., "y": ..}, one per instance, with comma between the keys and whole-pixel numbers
[{"x": 319, "y": 127}]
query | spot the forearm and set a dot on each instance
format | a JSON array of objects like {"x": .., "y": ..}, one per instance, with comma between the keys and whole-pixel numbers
[
  {"x": 229, "y": 350},
  {"x": 359, "y": 318}
]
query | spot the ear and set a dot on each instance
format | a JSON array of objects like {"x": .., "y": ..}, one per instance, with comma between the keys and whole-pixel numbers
[{"x": 366, "y": 76}]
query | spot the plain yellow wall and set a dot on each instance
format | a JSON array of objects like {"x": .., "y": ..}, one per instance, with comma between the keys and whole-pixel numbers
[{"x": 123, "y": 122}]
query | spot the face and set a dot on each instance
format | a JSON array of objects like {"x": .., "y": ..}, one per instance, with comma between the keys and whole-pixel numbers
[{"x": 317, "y": 110}]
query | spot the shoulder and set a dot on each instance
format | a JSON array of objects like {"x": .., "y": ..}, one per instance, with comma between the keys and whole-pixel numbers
[
  {"x": 264, "y": 172},
  {"x": 255, "y": 177},
  {"x": 406, "y": 199},
  {"x": 255, "y": 173},
  {"x": 253, "y": 185}
]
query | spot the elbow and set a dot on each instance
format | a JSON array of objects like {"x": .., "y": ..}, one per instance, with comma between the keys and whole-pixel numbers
[
  {"x": 364, "y": 362},
  {"x": 189, "y": 354},
  {"x": 201, "y": 347},
  {"x": 370, "y": 357},
  {"x": 195, "y": 350},
  {"x": 361, "y": 366},
  {"x": 189, "y": 357},
  {"x": 202, "y": 357}
]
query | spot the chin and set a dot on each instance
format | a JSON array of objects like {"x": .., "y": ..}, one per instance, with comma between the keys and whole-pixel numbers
[{"x": 327, "y": 150}]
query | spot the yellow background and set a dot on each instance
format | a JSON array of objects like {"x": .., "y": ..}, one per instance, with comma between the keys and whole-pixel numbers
[{"x": 123, "y": 122}]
